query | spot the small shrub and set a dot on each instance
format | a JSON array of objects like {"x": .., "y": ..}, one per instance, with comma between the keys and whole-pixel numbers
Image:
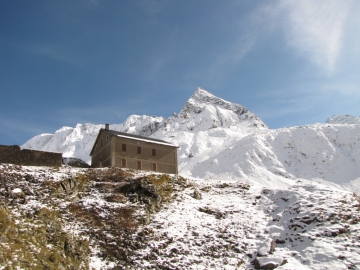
[
  {"x": 39, "y": 243},
  {"x": 157, "y": 180}
]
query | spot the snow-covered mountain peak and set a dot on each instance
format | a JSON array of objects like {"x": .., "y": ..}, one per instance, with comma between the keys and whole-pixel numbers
[
  {"x": 202, "y": 98},
  {"x": 210, "y": 111},
  {"x": 343, "y": 119}
]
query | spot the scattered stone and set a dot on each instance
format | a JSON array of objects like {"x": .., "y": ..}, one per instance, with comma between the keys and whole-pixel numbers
[
  {"x": 267, "y": 248},
  {"x": 17, "y": 193},
  {"x": 272, "y": 247},
  {"x": 268, "y": 263},
  {"x": 196, "y": 195}
]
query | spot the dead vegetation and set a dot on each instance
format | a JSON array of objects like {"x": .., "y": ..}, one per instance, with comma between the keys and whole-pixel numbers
[
  {"x": 113, "y": 222},
  {"x": 38, "y": 242}
]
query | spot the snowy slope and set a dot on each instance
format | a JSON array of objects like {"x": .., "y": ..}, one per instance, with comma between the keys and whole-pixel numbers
[
  {"x": 319, "y": 152},
  {"x": 205, "y": 224},
  {"x": 222, "y": 140},
  {"x": 308, "y": 225}
]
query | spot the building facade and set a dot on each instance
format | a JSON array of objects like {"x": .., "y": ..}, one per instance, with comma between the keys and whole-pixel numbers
[{"x": 119, "y": 149}]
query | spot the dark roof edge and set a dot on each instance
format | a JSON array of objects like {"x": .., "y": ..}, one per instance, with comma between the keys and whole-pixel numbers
[{"x": 133, "y": 136}]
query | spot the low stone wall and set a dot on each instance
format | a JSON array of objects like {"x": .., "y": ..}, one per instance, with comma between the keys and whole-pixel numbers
[{"x": 14, "y": 155}]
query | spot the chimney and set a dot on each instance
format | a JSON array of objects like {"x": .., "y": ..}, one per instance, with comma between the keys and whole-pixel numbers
[{"x": 107, "y": 126}]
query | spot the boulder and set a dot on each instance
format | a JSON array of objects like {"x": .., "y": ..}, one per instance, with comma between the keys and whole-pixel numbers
[{"x": 196, "y": 195}]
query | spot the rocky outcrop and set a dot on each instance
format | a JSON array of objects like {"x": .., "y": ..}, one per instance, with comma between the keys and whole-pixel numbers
[{"x": 75, "y": 162}]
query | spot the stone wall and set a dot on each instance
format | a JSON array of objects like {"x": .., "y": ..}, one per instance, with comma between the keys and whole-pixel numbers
[{"x": 14, "y": 155}]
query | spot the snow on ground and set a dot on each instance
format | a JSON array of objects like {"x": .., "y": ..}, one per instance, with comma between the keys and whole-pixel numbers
[
  {"x": 314, "y": 226},
  {"x": 218, "y": 224}
]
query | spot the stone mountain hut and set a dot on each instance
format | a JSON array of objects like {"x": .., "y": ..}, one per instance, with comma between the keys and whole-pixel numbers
[{"x": 119, "y": 149}]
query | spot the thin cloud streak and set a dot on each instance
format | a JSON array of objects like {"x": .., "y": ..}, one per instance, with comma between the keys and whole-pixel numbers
[
  {"x": 58, "y": 53},
  {"x": 315, "y": 30},
  {"x": 20, "y": 125}
]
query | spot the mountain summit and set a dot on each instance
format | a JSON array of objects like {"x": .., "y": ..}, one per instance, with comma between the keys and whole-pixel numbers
[{"x": 211, "y": 112}]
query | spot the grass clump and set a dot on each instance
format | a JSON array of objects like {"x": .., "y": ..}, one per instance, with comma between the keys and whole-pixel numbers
[
  {"x": 163, "y": 186},
  {"x": 39, "y": 243}
]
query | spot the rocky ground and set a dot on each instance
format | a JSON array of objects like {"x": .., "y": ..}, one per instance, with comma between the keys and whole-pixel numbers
[{"x": 73, "y": 218}]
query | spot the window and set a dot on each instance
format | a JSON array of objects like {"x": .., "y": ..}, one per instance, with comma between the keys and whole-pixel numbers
[
  {"x": 123, "y": 147},
  {"x": 154, "y": 167},
  {"x": 153, "y": 152},
  {"x": 139, "y": 165},
  {"x": 100, "y": 142},
  {"x": 123, "y": 163},
  {"x": 139, "y": 150},
  {"x": 107, "y": 137}
]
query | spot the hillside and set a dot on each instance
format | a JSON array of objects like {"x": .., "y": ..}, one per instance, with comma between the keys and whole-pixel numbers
[
  {"x": 68, "y": 218},
  {"x": 223, "y": 140}
]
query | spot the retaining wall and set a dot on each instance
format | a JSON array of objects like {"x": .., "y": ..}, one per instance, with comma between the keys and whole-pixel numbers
[{"x": 15, "y": 155}]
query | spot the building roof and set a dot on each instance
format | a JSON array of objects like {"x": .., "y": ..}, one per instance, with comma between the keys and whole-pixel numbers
[{"x": 131, "y": 136}]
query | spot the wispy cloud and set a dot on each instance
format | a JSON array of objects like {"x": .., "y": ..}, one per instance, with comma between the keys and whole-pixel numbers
[
  {"x": 53, "y": 52},
  {"x": 156, "y": 66},
  {"x": 315, "y": 29},
  {"x": 15, "y": 126},
  {"x": 234, "y": 54},
  {"x": 151, "y": 8}
]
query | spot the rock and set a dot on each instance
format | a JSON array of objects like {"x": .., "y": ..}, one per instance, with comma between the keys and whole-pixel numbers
[
  {"x": 267, "y": 248},
  {"x": 134, "y": 198},
  {"x": 17, "y": 193},
  {"x": 196, "y": 195},
  {"x": 280, "y": 241},
  {"x": 272, "y": 247},
  {"x": 29, "y": 191},
  {"x": 268, "y": 263},
  {"x": 75, "y": 162},
  {"x": 195, "y": 233}
]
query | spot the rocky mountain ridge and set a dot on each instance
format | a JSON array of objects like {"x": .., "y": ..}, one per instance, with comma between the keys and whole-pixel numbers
[{"x": 343, "y": 119}]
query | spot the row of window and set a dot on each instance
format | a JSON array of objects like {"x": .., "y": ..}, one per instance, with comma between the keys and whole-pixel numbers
[
  {"x": 153, "y": 151},
  {"x": 138, "y": 165}
]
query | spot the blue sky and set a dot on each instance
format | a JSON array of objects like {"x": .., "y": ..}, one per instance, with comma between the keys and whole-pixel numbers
[{"x": 78, "y": 61}]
